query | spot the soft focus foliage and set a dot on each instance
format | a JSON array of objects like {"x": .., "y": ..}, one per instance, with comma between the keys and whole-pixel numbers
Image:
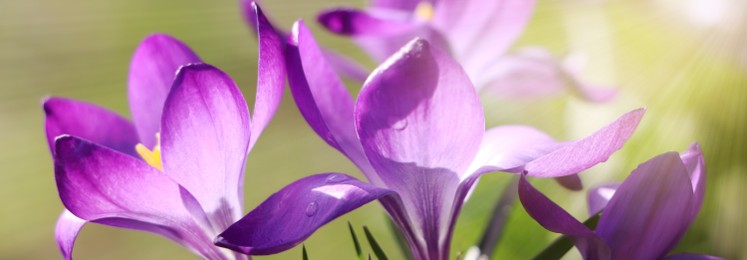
[{"x": 685, "y": 61}]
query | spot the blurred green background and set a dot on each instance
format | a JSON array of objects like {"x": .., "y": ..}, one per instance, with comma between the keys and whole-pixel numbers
[{"x": 686, "y": 61}]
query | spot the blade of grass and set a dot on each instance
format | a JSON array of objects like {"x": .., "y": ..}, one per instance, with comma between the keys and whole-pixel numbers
[
  {"x": 374, "y": 245},
  {"x": 497, "y": 221},
  {"x": 358, "y": 250},
  {"x": 305, "y": 255}
]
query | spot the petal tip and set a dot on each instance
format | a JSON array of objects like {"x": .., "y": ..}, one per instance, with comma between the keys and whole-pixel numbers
[
  {"x": 298, "y": 27},
  {"x": 222, "y": 242},
  {"x": 338, "y": 20},
  {"x": 46, "y": 103}
]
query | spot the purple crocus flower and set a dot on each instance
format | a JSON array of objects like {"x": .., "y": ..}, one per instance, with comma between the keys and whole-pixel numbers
[
  {"x": 417, "y": 132},
  {"x": 643, "y": 219},
  {"x": 477, "y": 33},
  {"x": 178, "y": 170}
]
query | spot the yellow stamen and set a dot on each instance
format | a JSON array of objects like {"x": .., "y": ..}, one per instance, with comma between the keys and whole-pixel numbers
[
  {"x": 152, "y": 157},
  {"x": 424, "y": 11}
]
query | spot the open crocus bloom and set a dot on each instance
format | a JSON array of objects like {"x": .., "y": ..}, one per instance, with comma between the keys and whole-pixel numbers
[
  {"x": 476, "y": 32},
  {"x": 643, "y": 218},
  {"x": 417, "y": 132},
  {"x": 178, "y": 171}
]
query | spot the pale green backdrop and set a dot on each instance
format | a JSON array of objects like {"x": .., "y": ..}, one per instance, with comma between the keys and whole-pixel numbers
[{"x": 690, "y": 74}]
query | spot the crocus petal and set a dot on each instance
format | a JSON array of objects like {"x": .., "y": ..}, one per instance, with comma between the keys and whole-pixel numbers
[
  {"x": 695, "y": 163},
  {"x": 407, "y": 124},
  {"x": 248, "y": 11},
  {"x": 589, "y": 151},
  {"x": 353, "y": 22},
  {"x": 152, "y": 71},
  {"x": 90, "y": 122},
  {"x": 270, "y": 75},
  {"x": 204, "y": 139},
  {"x": 691, "y": 257},
  {"x": 292, "y": 214},
  {"x": 380, "y": 48},
  {"x": 481, "y": 31},
  {"x": 649, "y": 212},
  {"x": 554, "y": 218},
  {"x": 522, "y": 76},
  {"x": 101, "y": 185},
  {"x": 571, "y": 182},
  {"x": 599, "y": 196},
  {"x": 511, "y": 146},
  {"x": 419, "y": 107},
  {"x": 534, "y": 73},
  {"x": 322, "y": 98},
  {"x": 404, "y": 5},
  {"x": 65, "y": 232},
  {"x": 345, "y": 66}
]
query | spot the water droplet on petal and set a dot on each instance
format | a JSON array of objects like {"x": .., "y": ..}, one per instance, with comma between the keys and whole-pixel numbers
[
  {"x": 335, "y": 178},
  {"x": 312, "y": 208},
  {"x": 400, "y": 125}
]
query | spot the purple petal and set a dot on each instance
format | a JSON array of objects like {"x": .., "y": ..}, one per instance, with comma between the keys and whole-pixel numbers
[
  {"x": 599, "y": 196},
  {"x": 571, "y": 182},
  {"x": 577, "y": 156},
  {"x": 692, "y": 257},
  {"x": 381, "y": 47},
  {"x": 380, "y": 32},
  {"x": 292, "y": 214},
  {"x": 152, "y": 71},
  {"x": 649, "y": 212},
  {"x": 419, "y": 107},
  {"x": 352, "y": 22},
  {"x": 90, "y": 122},
  {"x": 322, "y": 98},
  {"x": 404, "y": 5},
  {"x": 270, "y": 75},
  {"x": 511, "y": 146},
  {"x": 534, "y": 73},
  {"x": 65, "y": 232},
  {"x": 101, "y": 185},
  {"x": 554, "y": 218},
  {"x": 413, "y": 136},
  {"x": 695, "y": 163},
  {"x": 479, "y": 31},
  {"x": 345, "y": 66},
  {"x": 248, "y": 11},
  {"x": 205, "y": 139}
]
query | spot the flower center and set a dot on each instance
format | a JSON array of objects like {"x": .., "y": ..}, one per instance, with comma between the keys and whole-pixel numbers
[
  {"x": 424, "y": 11},
  {"x": 152, "y": 157}
]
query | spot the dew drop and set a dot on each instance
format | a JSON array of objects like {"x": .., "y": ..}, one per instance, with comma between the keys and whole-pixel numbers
[
  {"x": 400, "y": 125},
  {"x": 312, "y": 208},
  {"x": 335, "y": 178}
]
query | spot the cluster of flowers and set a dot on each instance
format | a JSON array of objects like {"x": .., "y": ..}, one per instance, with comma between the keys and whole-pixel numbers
[{"x": 416, "y": 131}]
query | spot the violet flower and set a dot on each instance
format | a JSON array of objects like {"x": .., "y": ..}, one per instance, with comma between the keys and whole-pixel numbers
[
  {"x": 187, "y": 185},
  {"x": 477, "y": 33},
  {"x": 417, "y": 133},
  {"x": 644, "y": 219}
]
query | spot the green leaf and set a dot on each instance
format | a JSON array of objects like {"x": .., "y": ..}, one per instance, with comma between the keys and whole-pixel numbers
[
  {"x": 305, "y": 255},
  {"x": 560, "y": 246},
  {"x": 358, "y": 250},
  {"x": 374, "y": 245}
]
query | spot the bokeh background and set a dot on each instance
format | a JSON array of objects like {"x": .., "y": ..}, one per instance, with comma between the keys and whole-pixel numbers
[{"x": 685, "y": 60}]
